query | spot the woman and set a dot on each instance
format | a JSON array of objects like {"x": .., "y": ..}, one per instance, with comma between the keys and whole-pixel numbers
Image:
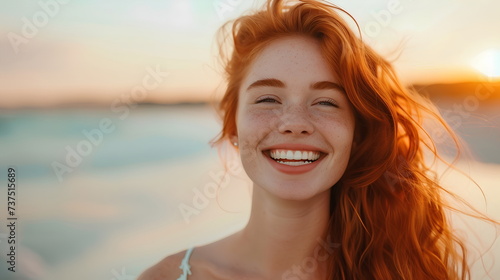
[{"x": 333, "y": 144}]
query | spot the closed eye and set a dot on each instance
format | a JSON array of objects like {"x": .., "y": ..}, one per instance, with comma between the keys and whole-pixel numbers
[
  {"x": 266, "y": 100},
  {"x": 328, "y": 102}
]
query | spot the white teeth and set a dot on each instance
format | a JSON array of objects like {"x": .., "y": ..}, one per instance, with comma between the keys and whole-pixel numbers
[
  {"x": 297, "y": 155},
  {"x": 294, "y": 163},
  {"x": 306, "y": 155},
  {"x": 281, "y": 154},
  {"x": 294, "y": 155}
]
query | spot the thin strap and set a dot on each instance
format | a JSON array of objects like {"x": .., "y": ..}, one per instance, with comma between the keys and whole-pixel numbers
[{"x": 186, "y": 268}]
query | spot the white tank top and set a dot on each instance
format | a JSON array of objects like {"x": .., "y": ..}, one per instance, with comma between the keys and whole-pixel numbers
[{"x": 186, "y": 268}]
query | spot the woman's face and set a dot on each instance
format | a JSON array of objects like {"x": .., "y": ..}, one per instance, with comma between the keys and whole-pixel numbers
[{"x": 295, "y": 125}]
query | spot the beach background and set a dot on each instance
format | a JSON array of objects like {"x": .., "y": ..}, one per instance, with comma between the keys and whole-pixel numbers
[{"x": 115, "y": 173}]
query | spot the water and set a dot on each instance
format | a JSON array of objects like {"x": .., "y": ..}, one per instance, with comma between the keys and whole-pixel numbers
[{"x": 32, "y": 140}]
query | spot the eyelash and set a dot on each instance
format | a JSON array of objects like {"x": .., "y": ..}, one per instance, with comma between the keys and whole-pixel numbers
[
  {"x": 267, "y": 99},
  {"x": 330, "y": 102}
]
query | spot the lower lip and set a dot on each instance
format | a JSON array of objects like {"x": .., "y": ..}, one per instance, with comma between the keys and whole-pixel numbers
[{"x": 288, "y": 169}]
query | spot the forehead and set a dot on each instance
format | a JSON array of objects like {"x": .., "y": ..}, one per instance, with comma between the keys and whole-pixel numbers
[{"x": 291, "y": 59}]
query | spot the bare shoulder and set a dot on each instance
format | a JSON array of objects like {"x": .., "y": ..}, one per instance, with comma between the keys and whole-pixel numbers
[
  {"x": 206, "y": 262},
  {"x": 166, "y": 269}
]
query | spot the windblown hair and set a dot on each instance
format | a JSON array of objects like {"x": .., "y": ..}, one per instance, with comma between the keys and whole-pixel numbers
[{"x": 387, "y": 211}]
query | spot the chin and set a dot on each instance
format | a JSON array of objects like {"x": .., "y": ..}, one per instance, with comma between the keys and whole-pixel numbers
[{"x": 295, "y": 191}]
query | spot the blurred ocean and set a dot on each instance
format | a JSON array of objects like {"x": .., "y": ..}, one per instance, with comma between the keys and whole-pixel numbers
[
  {"x": 33, "y": 139},
  {"x": 116, "y": 210}
]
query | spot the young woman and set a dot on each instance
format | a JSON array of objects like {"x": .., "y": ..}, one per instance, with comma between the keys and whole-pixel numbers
[{"x": 335, "y": 148}]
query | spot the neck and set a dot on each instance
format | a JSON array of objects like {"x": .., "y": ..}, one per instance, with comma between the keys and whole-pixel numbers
[{"x": 286, "y": 237}]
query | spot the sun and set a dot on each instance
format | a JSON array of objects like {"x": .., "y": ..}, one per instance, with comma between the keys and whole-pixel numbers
[{"x": 488, "y": 63}]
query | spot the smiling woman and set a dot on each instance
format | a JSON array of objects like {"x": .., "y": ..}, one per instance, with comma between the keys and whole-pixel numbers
[{"x": 334, "y": 146}]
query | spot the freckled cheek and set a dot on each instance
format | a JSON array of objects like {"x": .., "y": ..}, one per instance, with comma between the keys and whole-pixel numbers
[
  {"x": 253, "y": 124},
  {"x": 340, "y": 130},
  {"x": 256, "y": 118}
]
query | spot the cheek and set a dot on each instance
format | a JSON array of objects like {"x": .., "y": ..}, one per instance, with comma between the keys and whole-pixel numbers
[
  {"x": 339, "y": 129},
  {"x": 254, "y": 124}
]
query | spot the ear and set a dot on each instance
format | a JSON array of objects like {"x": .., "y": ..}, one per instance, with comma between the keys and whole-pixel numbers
[{"x": 234, "y": 140}]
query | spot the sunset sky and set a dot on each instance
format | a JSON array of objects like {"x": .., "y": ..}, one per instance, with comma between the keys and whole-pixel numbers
[{"x": 55, "y": 52}]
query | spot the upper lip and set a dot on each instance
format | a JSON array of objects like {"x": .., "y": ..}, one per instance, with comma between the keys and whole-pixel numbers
[{"x": 294, "y": 147}]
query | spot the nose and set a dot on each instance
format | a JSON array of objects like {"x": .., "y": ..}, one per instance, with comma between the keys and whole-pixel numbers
[{"x": 295, "y": 120}]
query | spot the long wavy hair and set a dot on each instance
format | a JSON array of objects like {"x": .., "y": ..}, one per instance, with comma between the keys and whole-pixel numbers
[{"x": 387, "y": 211}]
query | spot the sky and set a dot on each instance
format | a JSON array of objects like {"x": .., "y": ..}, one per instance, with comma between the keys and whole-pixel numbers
[{"x": 68, "y": 51}]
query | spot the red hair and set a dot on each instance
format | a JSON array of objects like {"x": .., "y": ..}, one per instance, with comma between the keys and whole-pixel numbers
[{"x": 387, "y": 210}]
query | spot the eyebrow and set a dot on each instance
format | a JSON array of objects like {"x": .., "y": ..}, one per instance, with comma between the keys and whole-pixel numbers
[
  {"x": 279, "y": 84},
  {"x": 267, "y": 83},
  {"x": 327, "y": 85}
]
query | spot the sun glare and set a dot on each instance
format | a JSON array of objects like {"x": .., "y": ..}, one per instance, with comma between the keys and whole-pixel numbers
[{"x": 488, "y": 63}]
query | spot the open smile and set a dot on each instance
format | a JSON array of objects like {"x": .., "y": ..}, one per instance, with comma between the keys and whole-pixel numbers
[
  {"x": 293, "y": 157},
  {"x": 293, "y": 160}
]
